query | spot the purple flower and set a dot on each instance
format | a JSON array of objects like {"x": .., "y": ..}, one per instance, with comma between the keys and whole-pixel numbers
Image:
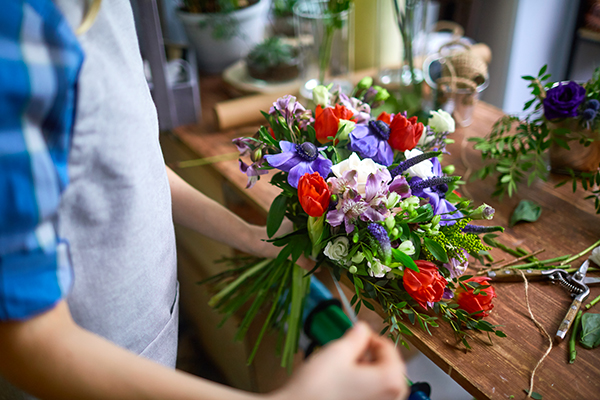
[
  {"x": 299, "y": 159},
  {"x": 563, "y": 100},
  {"x": 400, "y": 186},
  {"x": 370, "y": 141},
  {"x": 457, "y": 266},
  {"x": 291, "y": 110},
  {"x": 380, "y": 234},
  {"x": 361, "y": 111},
  {"x": 252, "y": 171},
  {"x": 349, "y": 208},
  {"x": 244, "y": 145}
]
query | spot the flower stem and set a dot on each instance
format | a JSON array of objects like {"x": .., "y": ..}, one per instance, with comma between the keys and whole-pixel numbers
[
  {"x": 541, "y": 263},
  {"x": 573, "y": 339},
  {"x": 576, "y": 256},
  {"x": 325, "y": 51},
  {"x": 592, "y": 303}
]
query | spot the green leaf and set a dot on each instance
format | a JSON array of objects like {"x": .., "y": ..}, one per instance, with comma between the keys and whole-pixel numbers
[
  {"x": 276, "y": 214},
  {"x": 590, "y": 330},
  {"x": 436, "y": 250},
  {"x": 528, "y": 77},
  {"x": 542, "y": 70},
  {"x": 534, "y": 395},
  {"x": 404, "y": 259},
  {"x": 526, "y": 211}
]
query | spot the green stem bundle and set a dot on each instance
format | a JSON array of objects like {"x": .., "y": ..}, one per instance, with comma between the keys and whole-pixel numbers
[{"x": 573, "y": 339}]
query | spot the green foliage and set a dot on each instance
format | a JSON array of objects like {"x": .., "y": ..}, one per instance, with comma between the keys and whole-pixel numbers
[
  {"x": 526, "y": 211},
  {"x": 222, "y": 24},
  {"x": 515, "y": 149},
  {"x": 283, "y": 8},
  {"x": 271, "y": 53},
  {"x": 590, "y": 330}
]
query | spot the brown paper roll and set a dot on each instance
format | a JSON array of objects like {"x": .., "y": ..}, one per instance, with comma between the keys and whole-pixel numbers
[{"x": 244, "y": 110}]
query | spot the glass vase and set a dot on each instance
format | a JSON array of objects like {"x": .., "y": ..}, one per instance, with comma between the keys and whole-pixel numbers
[
  {"x": 326, "y": 45},
  {"x": 412, "y": 25}
]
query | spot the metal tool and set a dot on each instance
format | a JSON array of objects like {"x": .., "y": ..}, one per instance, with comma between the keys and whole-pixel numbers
[
  {"x": 345, "y": 303},
  {"x": 576, "y": 284}
]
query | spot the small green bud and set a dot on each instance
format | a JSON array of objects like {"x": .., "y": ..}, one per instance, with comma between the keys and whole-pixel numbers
[
  {"x": 334, "y": 198},
  {"x": 436, "y": 219},
  {"x": 395, "y": 233},
  {"x": 355, "y": 237},
  {"x": 256, "y": 154},
  {"x": 365, "y": 83},
  {"x": 382, "y": 94},
  {"x": 344, "y": 128},
  {"x": 448, "y": 169},
  {"x": 353, "y": 269},
  {"x": 483, "y": 212},
  {"x": 390, "y": 222}
]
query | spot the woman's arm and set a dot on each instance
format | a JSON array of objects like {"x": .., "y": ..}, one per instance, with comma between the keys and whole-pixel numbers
[{"x": 194, "y": 210}]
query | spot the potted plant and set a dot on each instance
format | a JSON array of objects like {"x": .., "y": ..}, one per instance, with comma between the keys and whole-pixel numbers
[
  {"x": 223, "y": 31},
  {"x": 562, "y": 126},
  {"x": 273, "y": 61},
  {"x": 282, "y": 17}
]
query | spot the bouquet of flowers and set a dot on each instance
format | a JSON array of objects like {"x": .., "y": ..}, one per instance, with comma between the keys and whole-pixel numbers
[
  {"x": 564, "y": 121},
  {"x": 368, "y": 199}
]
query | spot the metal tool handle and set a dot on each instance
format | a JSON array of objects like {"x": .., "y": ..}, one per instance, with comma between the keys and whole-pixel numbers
[
  {"x": 568, "y": 320},
  {"x": 513, "y": 275}
]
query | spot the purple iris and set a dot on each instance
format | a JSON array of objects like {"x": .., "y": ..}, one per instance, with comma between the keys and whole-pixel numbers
[
  {"x": 371, "y": 141},
  {"x": 299, "y": 159},
  {"x": 436, "y": 194}
]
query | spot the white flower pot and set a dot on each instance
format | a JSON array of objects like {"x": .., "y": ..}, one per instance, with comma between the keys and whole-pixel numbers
[{"x": 216, "y": 51}]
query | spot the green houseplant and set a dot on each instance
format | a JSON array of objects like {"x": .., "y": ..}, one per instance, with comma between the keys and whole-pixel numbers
[
  {"x": 273, "y": 61},
  {"x": 223, "y": 31},
  {"x": 562, "y": 126}
]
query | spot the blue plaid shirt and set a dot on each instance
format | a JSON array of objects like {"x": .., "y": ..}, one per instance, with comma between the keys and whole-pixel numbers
[{"x": 40, "y": 60}]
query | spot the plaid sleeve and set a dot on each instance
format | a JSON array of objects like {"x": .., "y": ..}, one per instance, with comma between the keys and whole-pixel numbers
[{"x": 39, "y": 65}]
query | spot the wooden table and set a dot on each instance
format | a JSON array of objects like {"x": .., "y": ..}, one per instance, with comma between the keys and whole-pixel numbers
[{"x": 568, "y": 224}]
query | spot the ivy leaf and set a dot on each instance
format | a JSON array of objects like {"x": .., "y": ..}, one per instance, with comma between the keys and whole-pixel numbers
[
  {"x": 436, "y": 250},
  {"x": 276, "y": 214},
  {"x": 526, "y": 211},
  {"x": 590, "y": 330}
]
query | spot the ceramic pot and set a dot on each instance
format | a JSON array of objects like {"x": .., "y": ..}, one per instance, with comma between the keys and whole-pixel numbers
[{"x": 222, "y": 39}]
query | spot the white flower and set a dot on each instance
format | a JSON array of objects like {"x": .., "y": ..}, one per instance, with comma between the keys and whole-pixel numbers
[
  {"x": 423, "y": 170},
  {"x": 407, "y": 247},
  {"x": 392, "y": 199},
  {"x": 337, "y": 249},
  {"x": 410, "y": 203},
  {"x": 363, "y": 168},
  {"x": 321, "y": 96},
  {"x": 441, "y": 121},
  {"x": 344, "y": 128},
  {"x": 377, "y": 269},
  {"x": 595, "y": 257}
]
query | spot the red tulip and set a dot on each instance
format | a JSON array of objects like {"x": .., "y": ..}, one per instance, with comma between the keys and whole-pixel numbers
[
  {"x": 424, "y": 286},
  {"x": 327, "y": 121},
  {"x": 476, "y": 302},
  {"x": 385, "y": 117},
  {"x": 313, "y": 194},
  {"x": 404, "y": 133}
]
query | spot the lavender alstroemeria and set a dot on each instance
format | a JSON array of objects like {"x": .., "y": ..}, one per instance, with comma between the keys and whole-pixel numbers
[
  {"x": 400, "y": 185},
  {"x": 252, "y": 171},
  {"x": 456, "y": 266},
  {"x": 350, "y": 207},
  {"x": 361, "y": 111},
  {"x": 291, "y": 110},
  {"x": 371, "y": 141},
  {"x": 299, "y": 159},
  {"x": 376, "y": 191}
]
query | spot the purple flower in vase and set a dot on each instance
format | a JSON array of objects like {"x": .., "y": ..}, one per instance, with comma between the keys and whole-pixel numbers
[
  {"x": 371, "y": 141},
  {"x": 299, "y": 159},
  {"x": 563, "y": 100}
]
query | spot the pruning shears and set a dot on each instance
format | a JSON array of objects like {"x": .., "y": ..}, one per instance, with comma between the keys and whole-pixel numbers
[{"x": 576, "y": 284}]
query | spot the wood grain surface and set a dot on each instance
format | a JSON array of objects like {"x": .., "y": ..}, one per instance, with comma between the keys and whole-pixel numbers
[{"x": 567, "y": 225}]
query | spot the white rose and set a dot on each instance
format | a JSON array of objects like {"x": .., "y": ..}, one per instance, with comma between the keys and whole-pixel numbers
[
  {"x": 377, "y": 269},
  {"x": 337, "y": 249},
  {"x": 363, "y": 168},
  {"x": 441, "y": 121},
  {"x": 423, "y": 170},
  {"x": 595, "y": 257}
]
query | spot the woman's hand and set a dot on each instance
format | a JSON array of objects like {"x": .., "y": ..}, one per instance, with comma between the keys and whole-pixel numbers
[{"x": 359, "y": 366}]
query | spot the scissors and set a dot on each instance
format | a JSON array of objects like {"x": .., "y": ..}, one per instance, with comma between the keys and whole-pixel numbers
[{"x": 576, "y": 284}]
